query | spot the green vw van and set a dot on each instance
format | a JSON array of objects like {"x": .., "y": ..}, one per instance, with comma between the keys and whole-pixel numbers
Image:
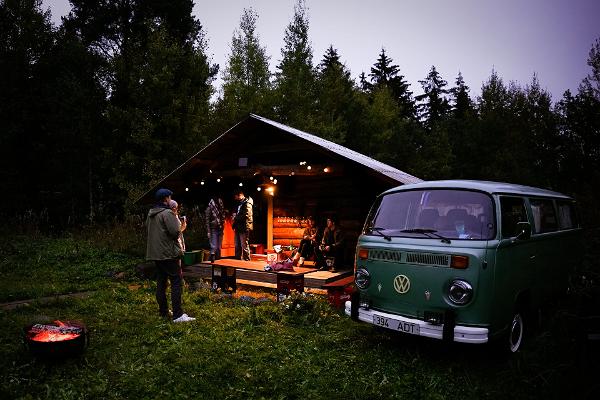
[{"x": 464, "y": 261}]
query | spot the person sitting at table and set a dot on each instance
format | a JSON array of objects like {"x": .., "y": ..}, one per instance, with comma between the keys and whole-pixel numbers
[
  {"x": 332, "y": 244},
  {"x": 308, "y": 244}
]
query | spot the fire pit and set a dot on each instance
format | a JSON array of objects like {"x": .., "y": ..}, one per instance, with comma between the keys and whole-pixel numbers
[{"x": 57, "y": 339}]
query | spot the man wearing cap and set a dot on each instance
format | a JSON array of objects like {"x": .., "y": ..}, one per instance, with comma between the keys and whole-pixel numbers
[{"x": 163, "y": 248}]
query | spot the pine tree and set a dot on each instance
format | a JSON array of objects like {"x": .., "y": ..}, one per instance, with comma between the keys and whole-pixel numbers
[
  {"x": 462, "y": 129},
  {"x": 384, "y": 73},
  {"x": 336, "y": 107},
  {"x": 462, "y": 105},
  {"x": 435, "y": 105},
  {"x": 246, "y": 79},
  {"x": 159, "y": 80},
  {"x": 295, "y": 76}
]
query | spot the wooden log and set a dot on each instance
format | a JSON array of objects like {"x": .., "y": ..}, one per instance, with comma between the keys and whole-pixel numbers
[{"x": 281, "y": 233}]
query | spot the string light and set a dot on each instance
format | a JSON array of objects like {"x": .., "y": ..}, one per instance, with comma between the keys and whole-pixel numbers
[
  {"x": 241, "y": 184},
  {"x": 218, "y": 179},
  {"x": 326, "y": 169},
  {"x": 258, "y": 189},
  {"x": 187, "y": 189},
  {"x": 202, "y": 182},
  {"x": 270, "y": 178},
  {"x": 275, "y": 181},
  {"x": 309, "y": 167}
]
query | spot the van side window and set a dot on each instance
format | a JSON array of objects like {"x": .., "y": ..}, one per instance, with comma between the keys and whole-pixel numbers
[
  {"x": 544, "y": 216},
  {"x": 513, "y": 211},
  {"x": 567, "y": 217}
]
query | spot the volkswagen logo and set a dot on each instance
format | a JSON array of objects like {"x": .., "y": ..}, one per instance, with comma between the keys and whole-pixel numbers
[{"x": 401, "y": 284}]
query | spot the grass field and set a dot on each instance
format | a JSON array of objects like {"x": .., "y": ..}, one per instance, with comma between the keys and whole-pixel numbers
[{"x": 240, "y": 349}]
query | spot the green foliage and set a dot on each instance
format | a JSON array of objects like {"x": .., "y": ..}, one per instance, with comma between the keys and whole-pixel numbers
[
  {"x": 97, "y": 110},
  {"x": 246, "y": 79},
  {"x": 435, "y": 106},
  {"x": 295, "y": 76},
  {"x": 337, "y": 108}
]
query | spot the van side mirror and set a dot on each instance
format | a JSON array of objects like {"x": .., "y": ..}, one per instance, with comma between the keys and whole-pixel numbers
[{"x": 523, "y": 231}]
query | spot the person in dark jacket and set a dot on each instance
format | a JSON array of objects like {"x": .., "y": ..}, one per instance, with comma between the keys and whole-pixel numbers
[
  {"x": 215, "y": 221},
  {"x": 164, "y": 230},
  {"x": 332, "y": 244},
  {"x": 242, "y": 225}
]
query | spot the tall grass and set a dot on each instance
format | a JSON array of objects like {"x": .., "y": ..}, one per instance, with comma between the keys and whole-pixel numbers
[{"x": 301, "y": 348}]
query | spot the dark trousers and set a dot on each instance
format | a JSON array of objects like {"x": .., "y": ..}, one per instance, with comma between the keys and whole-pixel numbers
[
  {"x": 306, "y": 248},
  {"x": 169, "y": 270}
]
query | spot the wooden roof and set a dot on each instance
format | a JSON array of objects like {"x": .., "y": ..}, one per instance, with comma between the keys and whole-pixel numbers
[{"x": 258, "y": 146}]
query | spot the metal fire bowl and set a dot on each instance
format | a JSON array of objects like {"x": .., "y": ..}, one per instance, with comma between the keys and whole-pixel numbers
[{"x": 73, "y": 345}]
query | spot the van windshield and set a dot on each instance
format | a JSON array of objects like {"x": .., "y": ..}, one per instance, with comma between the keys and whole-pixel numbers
[{"x": 446, "y": 213}]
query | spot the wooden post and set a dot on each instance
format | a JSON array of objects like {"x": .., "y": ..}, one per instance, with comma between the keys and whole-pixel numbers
[{"x": 269, "y": 222}]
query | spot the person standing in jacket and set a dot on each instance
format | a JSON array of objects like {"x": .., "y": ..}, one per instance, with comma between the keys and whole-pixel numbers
[
  {"x": 164, "y": 230},
  {"x": 242, "y": 225},
  {"x": 215, "y": 221}
]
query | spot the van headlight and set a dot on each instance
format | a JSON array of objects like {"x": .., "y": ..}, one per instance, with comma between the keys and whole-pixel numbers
[
  {"x": 362, "y": 278},
  {"x": 460, "y": 292}
]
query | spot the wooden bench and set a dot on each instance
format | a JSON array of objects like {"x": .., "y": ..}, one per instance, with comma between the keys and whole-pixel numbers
[
  {"x": 340, "y": 291},
  {"x": 223, "y": 275}
]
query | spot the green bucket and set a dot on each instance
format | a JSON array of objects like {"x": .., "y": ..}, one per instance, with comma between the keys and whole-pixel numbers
[{"x": 191, "y": 257}]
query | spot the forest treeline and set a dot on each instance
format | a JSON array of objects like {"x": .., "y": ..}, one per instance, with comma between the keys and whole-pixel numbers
[{"x": 96, "y": 110}]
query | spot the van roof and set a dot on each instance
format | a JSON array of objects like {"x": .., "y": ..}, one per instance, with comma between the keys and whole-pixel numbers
[{"x": 484, "y": 186}]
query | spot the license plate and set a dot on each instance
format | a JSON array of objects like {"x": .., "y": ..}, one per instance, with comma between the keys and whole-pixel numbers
[{"x": 396, "y": 325}]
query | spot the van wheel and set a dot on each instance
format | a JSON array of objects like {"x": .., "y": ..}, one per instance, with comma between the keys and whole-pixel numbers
[{"x": 516, "y": 332}]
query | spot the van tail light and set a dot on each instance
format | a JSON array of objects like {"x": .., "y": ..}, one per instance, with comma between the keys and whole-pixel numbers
[
  {"x": 363, "y": 254},
  {"x": 459, "y": 262}
]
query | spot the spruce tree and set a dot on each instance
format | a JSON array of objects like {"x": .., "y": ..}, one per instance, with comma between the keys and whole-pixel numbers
[
  {"x": 158, "y": 78},
  {"x": 336, "y": 105},
  {"x": 385, "y": 73},
  {"x": 295, "y": 76},
  {"x": 246, "y": 78},
  {"x": 434, "y": 103}
]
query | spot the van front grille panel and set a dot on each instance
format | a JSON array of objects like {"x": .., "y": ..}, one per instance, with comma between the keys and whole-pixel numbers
[
  {"x": 435, "y": 260},
  {"x": 385, "y": 255}
]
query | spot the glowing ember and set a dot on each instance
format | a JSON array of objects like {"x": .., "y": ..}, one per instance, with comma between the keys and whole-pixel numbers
[{"x": 54, "y": 333}]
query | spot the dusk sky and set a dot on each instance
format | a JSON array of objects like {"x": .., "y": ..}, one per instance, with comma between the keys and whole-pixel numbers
[{"x": 517, "y": 38}]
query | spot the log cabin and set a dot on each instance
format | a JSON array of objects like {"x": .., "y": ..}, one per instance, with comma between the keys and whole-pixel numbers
[{"x": 290, "y": 175}]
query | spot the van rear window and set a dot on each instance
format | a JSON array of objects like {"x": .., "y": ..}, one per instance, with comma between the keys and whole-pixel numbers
[
  {"x": 544, "y": 216},
  {"x": 567, "y": 217},
  {"x": 453, "y": 214}
]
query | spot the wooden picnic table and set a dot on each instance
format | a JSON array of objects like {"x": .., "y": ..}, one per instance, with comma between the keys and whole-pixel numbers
[{"x": 223, "y": 274}]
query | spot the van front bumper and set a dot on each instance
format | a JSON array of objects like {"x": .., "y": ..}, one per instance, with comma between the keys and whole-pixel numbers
[{"x": 463, "y": 334}]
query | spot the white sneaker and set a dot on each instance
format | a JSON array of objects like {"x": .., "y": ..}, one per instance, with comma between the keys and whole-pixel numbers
[{"x": 184, "y": 318}]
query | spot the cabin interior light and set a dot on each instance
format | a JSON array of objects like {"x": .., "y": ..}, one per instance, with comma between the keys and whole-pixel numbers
[
  {"x": 326, "y": 169},
  {"x": 275, "y": 181},
  {"x": 270, "y": 190}
]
